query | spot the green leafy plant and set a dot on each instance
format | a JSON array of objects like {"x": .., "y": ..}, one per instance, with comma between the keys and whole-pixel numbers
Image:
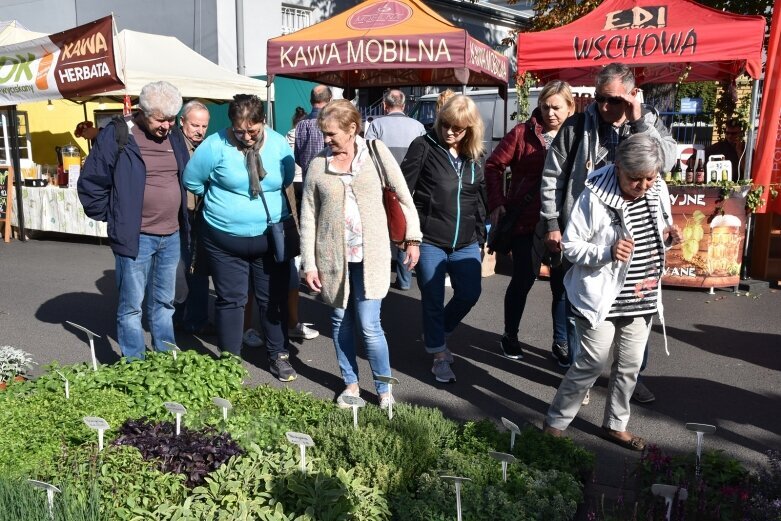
[{"x": 19, "y": 501}]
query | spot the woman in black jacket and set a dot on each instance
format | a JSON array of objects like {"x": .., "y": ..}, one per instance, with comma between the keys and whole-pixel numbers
[{"x": 443, "y": 171}]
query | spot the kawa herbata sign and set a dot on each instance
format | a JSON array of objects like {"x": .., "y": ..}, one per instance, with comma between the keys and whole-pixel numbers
[
  {"x": 76, "y": 62},
  {"x": 407, "y": 41}
]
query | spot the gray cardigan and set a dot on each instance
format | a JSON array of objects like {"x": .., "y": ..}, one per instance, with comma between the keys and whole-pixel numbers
[{"x": 322, "y": 226}]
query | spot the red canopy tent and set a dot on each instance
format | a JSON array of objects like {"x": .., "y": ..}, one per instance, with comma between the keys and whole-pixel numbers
[
  {"x": 661, "y": 40},
  {"x": 386, "y": 43}
]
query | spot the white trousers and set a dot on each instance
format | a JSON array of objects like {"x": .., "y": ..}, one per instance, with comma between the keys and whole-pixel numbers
[{"x": 629, "y": 336}]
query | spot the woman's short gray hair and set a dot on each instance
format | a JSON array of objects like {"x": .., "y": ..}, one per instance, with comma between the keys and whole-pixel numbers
[
  {"x": 639, "y": 154},
  {"x": 160, "y": 98}
]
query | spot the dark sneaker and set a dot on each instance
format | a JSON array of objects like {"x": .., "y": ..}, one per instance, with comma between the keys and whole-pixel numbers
[
  {"x": 281, "y": 368},
  {"x": 511, "y": 348},
  {"x": 560, "y": 353},
  {"x": 642, "y": 394}
]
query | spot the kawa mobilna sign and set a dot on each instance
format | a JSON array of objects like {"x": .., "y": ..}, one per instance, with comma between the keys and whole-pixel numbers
[
  {"x": 76, "y": 62},
  {"x": 386, "y": 34}
]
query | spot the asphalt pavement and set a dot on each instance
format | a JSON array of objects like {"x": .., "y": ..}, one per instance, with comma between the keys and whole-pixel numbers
[{"x": 724, "y": 366}]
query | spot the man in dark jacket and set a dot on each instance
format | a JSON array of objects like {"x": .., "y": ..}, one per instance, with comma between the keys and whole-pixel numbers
[{"x": 132, "y": 180}]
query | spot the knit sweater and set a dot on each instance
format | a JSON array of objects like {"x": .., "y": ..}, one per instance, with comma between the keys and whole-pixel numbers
[{"x": 322, "y": 226}]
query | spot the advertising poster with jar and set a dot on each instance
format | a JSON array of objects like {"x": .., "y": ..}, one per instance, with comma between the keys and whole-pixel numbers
[{"x": 712, "y": 232}]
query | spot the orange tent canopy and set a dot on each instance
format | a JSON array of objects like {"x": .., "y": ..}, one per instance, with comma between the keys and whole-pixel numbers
[{"x": 386, "y": 42}]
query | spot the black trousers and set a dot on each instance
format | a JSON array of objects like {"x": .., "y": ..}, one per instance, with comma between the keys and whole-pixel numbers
[{"x": 234, "y": 260}]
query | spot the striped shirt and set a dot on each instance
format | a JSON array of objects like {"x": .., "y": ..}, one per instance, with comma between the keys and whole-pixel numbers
[{"x": 639, "y": 293}]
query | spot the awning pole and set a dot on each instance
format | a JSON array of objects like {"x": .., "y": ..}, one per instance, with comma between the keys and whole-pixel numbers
[{"x": 13, "y": 132}]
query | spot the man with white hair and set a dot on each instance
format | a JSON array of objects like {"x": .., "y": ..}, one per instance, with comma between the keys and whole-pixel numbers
[{"x": 132, "y": 180}]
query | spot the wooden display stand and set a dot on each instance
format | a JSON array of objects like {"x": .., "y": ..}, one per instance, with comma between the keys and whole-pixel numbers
[
  {"x": 766, "y": 252},
  {"x": 8, "y": 188}
]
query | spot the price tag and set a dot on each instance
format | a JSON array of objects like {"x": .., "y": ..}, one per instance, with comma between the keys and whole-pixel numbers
[
  {"x": 91, "y": 336},
  {"x": 172, "y": 347},
  {"x": 298, "y": 438},
  {"x": 67, "y": 386},
  {"x": 505, "y": 459},
  {"x": 668, "y": 493},
  {"x": 701, "y": 427},
  {"x": 387, "y": 379},
  {"x": 43, "y": 485},
  {"x": 391, "y": 381},
  {"x": 224, "y": 405},
  {"x": 354, "y": 401},
  {"x": 457, "y": 480}
]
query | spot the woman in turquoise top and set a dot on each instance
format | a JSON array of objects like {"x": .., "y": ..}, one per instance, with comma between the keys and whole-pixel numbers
[{"x": 230, "y": 169}]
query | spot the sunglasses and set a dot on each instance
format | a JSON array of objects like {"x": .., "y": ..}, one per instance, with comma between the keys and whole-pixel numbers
[
  {"x": 454, "y": 129},
  {"x": 251, "y": 132},
  {"x": 610, "y": 100}
]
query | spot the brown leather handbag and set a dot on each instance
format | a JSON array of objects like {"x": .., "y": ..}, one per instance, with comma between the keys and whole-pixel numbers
[{"x": 397, "y": 223}]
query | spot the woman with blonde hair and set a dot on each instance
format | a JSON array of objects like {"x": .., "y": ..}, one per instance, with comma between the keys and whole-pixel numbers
[
  {"x": 345, "y": 245},
  {"x": 523, "y": 150},
  {"x": 444, "y": 172}
]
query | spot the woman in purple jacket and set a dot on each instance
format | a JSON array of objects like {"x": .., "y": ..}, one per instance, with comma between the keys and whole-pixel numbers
[{"x": 523, "y": 150}]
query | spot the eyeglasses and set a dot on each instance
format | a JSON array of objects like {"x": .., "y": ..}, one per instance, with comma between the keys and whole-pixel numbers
[
  {"x": 251, "y": 132},
  {"x": 611, "y": 100},
  {"x": 452, "y": 128}
]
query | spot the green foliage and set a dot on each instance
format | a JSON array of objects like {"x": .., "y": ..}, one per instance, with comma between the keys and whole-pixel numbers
[
  {"x": 528, "y": 494},
  {"x": 385, "y": 454},
  {"x": 546, "y": 452},
  {"x": 192, "y": 380},
  {"x": 263, "y": 414},
  {"x": 698, "y": 89},
  {"x": 269, "y": 486},
  {"x": 39, "y": 423},
  {"x": 19, "y": 501}
]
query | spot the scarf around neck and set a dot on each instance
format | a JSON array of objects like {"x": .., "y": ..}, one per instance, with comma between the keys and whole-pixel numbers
[{"x": 252, "y": 159}]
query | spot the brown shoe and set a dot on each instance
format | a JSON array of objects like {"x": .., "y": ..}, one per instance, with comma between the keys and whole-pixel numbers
[
  {"x": 552, "y": 431},
  {"x": 631, "y": 442}
]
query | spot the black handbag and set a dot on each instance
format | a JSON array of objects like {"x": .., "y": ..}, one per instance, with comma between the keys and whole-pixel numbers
[
  {"x": 283, "y": 236},
  {"x": 500, "y": 238}
]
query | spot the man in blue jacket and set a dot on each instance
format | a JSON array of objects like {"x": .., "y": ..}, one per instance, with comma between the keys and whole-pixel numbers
[{"x": 132, "y": 180}]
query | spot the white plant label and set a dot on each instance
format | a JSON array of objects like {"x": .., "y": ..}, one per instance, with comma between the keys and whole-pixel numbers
[
  {"x": 91, "y": 336},
  {"x": 303, "y": 441},
  {"x": 391, "y": 381},
  {"x": 668, "y": 493},
  {"x": 700, "y": 429},
  {"x": 355, "y": 402},
  {"x": 457, "y": 480},
  {"x": 505, "y": 459},
  {"x": 178, "y": 410},
  {"x": 67, "y": 386},
  {"x": 100, "y": 425},
  {"x": 223, "y": 404},
  {"x": 173, "y": 348},
  {"x": 50, "y": 490},
  {"x": 514, "y": 430}
]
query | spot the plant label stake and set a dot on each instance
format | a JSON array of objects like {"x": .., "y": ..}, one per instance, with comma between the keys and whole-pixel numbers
[
  {"x": 513, "y": 428},
  {"x": 67, "y": 386},
  {"x": 505, "y": 459},
  {"x": 178, "y": 410},
  {"x": 91, "y": 337},
  {"x": 391, "y": 381},
  {"x": 50, "y": 490},
  {"x": 457, "y": 480},
  {"x": 668, "y": 493},
  {"x": 100, "y": 425},
  {"x": 700, "y": 429},
  {"x": 355, "y": 402},
  {"x": 172, "y": 347},
  {"x": 224, "y": 405},
  {"x": 303, "y": 441}
]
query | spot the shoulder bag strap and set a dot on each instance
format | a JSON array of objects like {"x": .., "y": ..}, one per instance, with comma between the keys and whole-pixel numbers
[
  {"x": 377, "y": 162},
  {"x": 263, "y": 198}
]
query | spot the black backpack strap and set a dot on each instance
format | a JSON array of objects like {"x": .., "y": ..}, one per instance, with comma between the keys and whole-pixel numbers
[{"x": 580, "y": 126}]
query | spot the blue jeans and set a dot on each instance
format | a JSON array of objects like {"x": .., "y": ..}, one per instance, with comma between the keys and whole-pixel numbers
[
  {"x": 403, "y": 275},
  {"x": 366, "y": 313},
  {"x": 151, "y": 273},
  {"x": 464, "y": 267},
  {"x": 564, "y": 330}
]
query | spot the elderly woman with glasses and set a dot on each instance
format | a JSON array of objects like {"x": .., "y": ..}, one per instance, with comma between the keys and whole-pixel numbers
[
  {"x": 234, "y": 170},
  {"x": 618, "y": 232},
  {"x": 445, "y": 175}
]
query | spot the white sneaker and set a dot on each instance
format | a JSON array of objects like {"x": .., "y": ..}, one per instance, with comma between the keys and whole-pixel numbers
[
  {"x": 302, "y": 332},
  {"x": 252, "y": 338}
]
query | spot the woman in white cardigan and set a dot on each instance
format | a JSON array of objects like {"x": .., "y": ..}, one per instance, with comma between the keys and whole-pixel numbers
[{"x": 345, "y": 247}]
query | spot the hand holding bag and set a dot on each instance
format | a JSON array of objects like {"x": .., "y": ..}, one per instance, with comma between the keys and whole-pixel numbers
[
  {"x": 284, "y": 238},
  {"x": 397, "y": 223}
]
